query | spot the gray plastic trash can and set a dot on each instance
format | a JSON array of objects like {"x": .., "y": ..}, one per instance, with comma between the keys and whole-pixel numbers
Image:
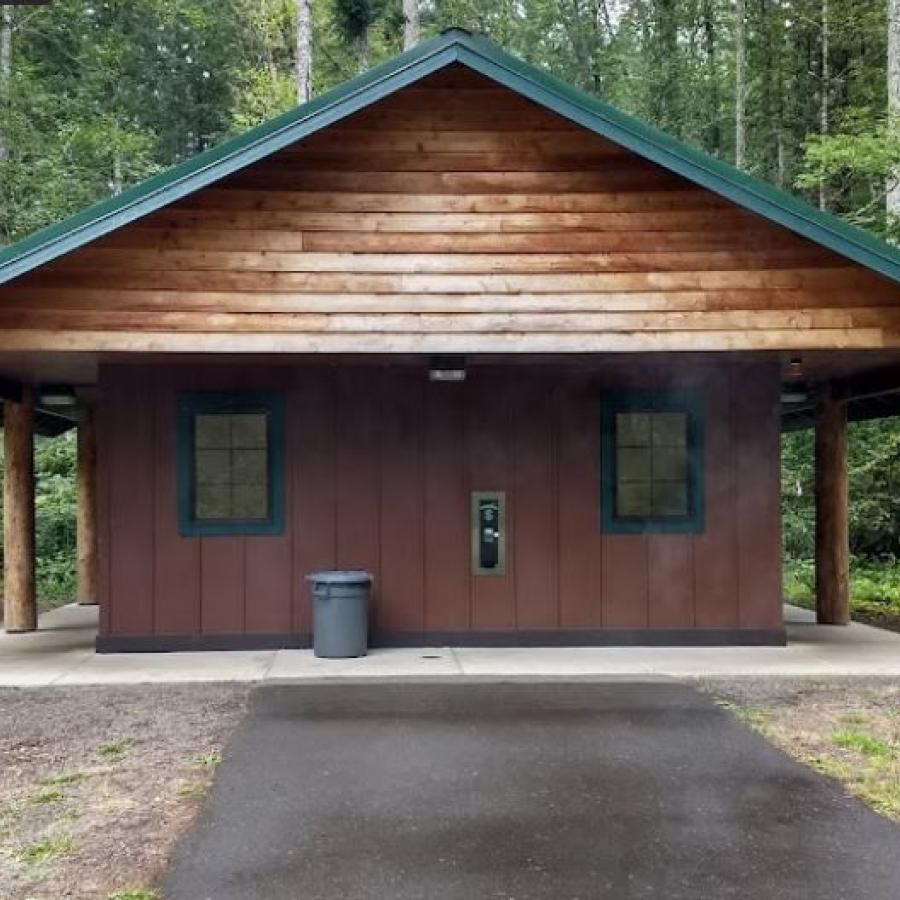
[{"x": 340, "y": 613}]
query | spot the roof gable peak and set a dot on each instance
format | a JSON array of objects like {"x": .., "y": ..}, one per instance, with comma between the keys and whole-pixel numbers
[{"x": 454, "y": 45}]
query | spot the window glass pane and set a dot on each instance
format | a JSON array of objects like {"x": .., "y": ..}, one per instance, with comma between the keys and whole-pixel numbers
[
  {"x": 670, "y": 429},
  {"x": 213, "y": 501},
  {"x": 633, "y": 464},
  {"x": 231, "y": 477},
  {"x": 633, "y": 499},
  {"x": 670, "y": 498},
  {"x": 249, "y": 430},
  {"x": 213, "y": 466},
  {"x": 250, "y": 501},
  {"x": 652, "y": 464},
  {"x": 249, "y": 467},
  {"x": 669, "y": 463},
  {"x": 632, "y": 429},
  {"x": 212, "y": 430}
]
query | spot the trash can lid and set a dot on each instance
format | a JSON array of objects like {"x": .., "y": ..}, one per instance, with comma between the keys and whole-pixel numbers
[{"x": 340, "y": 577}]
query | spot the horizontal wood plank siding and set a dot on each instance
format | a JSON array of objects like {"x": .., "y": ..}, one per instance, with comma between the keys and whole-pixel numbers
[
  {"x": 380, "y": 463},
  {"x": 462, "y": 216}
]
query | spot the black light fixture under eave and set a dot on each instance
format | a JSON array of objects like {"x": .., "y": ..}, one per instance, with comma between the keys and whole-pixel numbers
[
  {"x": 447, "y": 368},
  {"x": 56, "y": 395},
  {"x": 795, "y": 390}
]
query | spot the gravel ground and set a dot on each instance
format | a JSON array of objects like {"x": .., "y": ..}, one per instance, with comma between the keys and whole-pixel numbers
[
  {"x": 97, "y": 784},
  {"x": 847, "y": 729}
]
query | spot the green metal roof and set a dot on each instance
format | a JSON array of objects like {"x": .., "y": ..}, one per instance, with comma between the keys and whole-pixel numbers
[{"x": 479, "y": 54}]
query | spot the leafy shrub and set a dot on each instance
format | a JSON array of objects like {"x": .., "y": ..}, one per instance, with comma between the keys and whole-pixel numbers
[{"x": 55, "y": 503}]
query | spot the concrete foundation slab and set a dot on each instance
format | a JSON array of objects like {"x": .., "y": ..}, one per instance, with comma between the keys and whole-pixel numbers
[{"x": 62, "y": 652}]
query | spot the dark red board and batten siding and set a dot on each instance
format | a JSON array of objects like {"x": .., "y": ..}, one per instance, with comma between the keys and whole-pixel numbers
[{"x": 380, "y": 464}]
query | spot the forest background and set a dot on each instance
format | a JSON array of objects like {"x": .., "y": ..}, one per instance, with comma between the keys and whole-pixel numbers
[{"x": 95, "y": 96}]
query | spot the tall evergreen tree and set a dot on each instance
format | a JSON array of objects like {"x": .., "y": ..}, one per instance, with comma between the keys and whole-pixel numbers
[
  {"x": 411, "y": 24},
  {"x": 304, "y": 51}
]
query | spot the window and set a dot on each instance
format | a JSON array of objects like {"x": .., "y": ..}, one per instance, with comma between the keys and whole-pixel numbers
[
  {"x": 651, "y": 463},
  {"x": 230, "y": 463}
]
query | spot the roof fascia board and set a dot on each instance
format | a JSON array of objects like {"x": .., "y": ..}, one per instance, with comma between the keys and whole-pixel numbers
[
  {"x": 785, "y": 210},
  {"x": 222, "y": 166}
]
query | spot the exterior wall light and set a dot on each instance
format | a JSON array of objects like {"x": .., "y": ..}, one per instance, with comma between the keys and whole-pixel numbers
[{"x": 447, "y": 368}]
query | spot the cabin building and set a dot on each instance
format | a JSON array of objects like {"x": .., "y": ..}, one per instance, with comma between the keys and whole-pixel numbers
[{"x": 456, "y": 323}]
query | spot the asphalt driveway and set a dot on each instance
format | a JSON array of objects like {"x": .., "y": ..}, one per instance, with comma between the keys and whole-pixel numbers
[{"x": 521, "y": 792}]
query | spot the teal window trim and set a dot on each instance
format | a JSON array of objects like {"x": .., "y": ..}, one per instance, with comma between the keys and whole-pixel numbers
[
  {"x": 191, "y": 404},
  {"x": 688, "y": 402}
]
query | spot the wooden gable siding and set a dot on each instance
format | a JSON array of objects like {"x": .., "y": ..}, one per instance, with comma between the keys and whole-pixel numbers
[
  {"x": 394, "y": 499},
  {"x": 454, "y": 215}
]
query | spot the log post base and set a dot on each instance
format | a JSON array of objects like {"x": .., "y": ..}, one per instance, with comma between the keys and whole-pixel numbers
[
  {"x": 832, "y": 519},
  {"x": 86, "y": 521},
  {"x": 19, "y": 598}
]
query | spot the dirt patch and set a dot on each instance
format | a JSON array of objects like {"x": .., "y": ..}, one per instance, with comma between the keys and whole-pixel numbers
[
  {"x": 870, "y": 615},
  {"x": 888, "y": 621},
  {"x": 848, "y": 729},
  {"x": 97, "y": 784}
]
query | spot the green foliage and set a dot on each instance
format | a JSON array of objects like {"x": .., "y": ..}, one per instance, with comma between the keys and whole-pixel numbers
[
  {"x": 116, "y": 749},
  {"x": 874, "y": 476},
  {"x": 63, "y": 778},
  {"x": 45, "y": 796},
  {"x": 852, "y": 739},
  {"x": 353, "y": 18},
  {"x": 855, "y": 165},
  {"x": 47, "y": 851},
  {"x": 191, "y": 791},
  {"x": 263, "y": 95},
  {"x": 208, "y": 761},
  {"x": 55, "y": 502}
]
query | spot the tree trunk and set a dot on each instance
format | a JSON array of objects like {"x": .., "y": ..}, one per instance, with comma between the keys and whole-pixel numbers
[
  {"x": 893, "y": 187},
  {"x": 304, "y": 51},
  {"x": 5, "y": 75},
  {"x": 713, "y": 142},
  {"x": 5, "y": 87},
  {"x": 362, "y": 51},
  {"x": 667, "y": 101},
  {"x": 824, "y": 109},
  {"x": 117, "y": 180},
  {"x": 740, "y": 86},
  {"x": 411, "y": 28}
]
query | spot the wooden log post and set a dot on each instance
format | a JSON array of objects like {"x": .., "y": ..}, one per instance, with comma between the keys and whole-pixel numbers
[
  {"x": 86, "y": 516},
  {"x": 832, "y": 520},
  {"x": 19, "y": 596}
]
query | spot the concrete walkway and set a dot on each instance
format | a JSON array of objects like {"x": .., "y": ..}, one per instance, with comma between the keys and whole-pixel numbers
[{"x": 62, "y": 653}]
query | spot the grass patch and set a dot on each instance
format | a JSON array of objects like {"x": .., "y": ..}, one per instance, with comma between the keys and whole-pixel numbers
[
  {"x": 47, "y": 851},
  {"x": 135, "y": 894},
  {"x": 191, "y": 790},
  {"x": 854, "y": 719},
  {"x": 850, "y": 739},
  {"x": 115, "y": 749},
  {"x": 62, "y": 779},
  {"x": 757, "y": 719},
  {"x": 847, "y": 734},
  {"x": 874, "y": 588},
  {"x": 207, "y": 761},
  {"x": 45, "y": 796}
]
